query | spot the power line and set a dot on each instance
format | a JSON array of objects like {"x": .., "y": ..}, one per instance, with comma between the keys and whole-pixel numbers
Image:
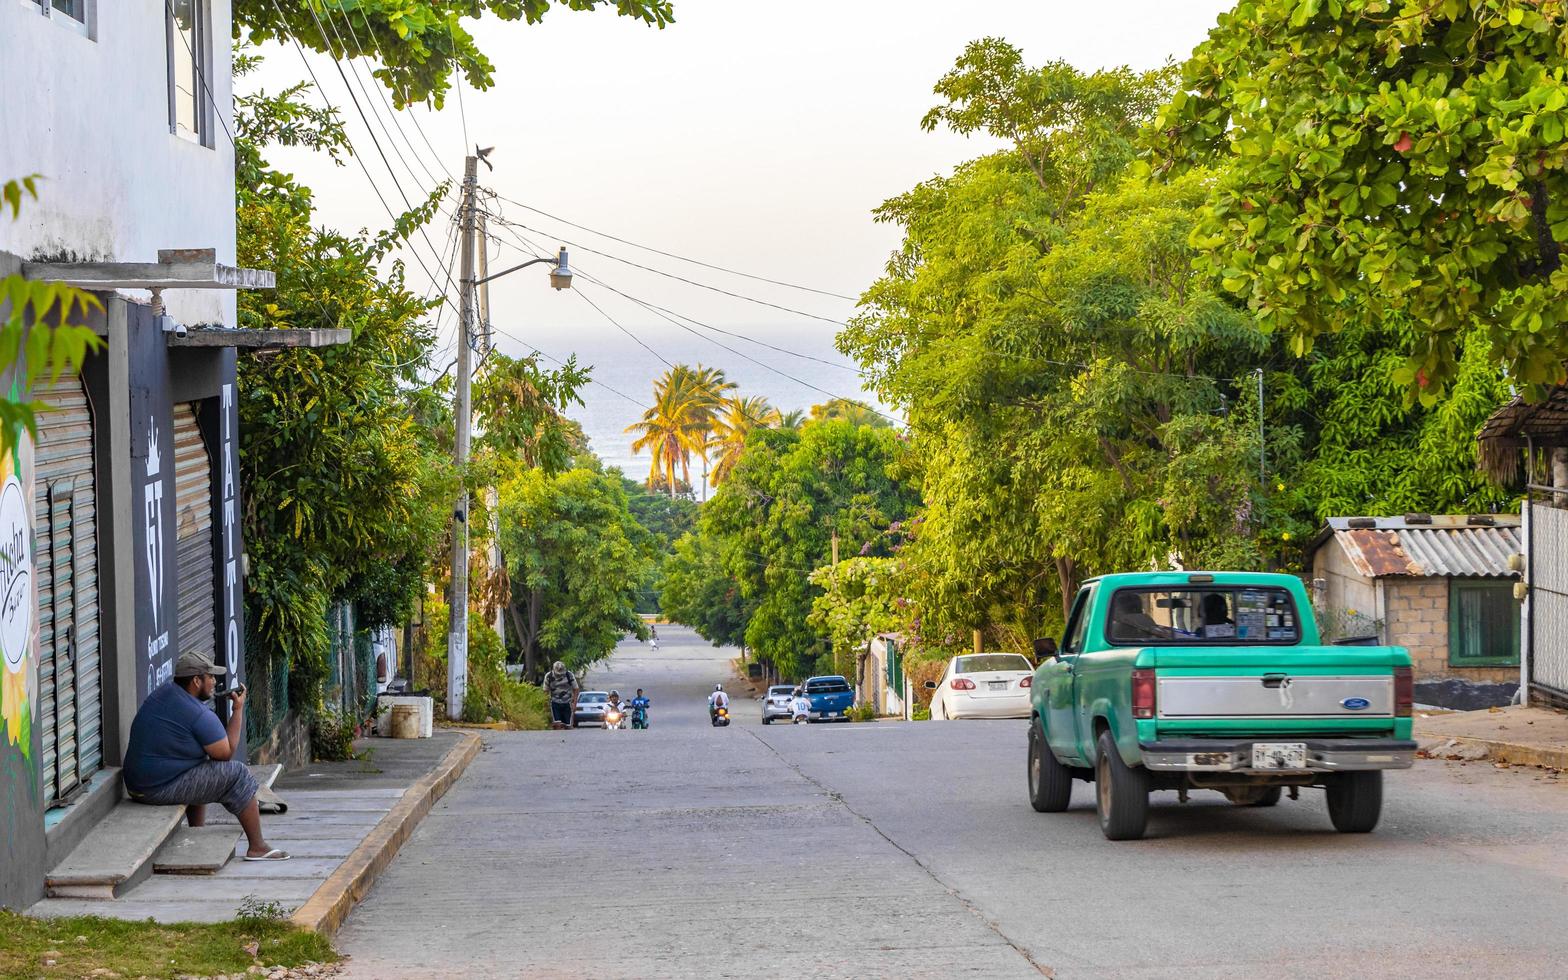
[
  {"x": 670, "y": 275},
  {"x": 672, "y": 255},
  {"x": 375, "y": 142},
  {"x": 381, "y": 93}
]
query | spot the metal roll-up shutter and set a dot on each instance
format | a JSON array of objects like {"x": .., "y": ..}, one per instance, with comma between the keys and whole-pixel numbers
[
  {"x": 193, "y": 523},
  {"x": 65, "y": 561}
]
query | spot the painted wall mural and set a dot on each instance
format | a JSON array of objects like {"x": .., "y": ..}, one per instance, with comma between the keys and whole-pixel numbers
[{"x": 21, "y": 803}]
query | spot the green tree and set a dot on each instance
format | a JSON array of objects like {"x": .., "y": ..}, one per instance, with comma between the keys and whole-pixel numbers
[
  {"x": 41, "y": 330},
  {"x": 577, "y": 560},
  {"x": 1393, "y": 156},
  {"x": 347, "y": 494},
  {"x": 860, "y": 598},
  {"x": 851, "y": 410},
  {"x": 774, "y": 518},
  {"x": 418, "y": 42},
  {"x": 699, "y": 591},
  {"x": 687, "y": 401}
]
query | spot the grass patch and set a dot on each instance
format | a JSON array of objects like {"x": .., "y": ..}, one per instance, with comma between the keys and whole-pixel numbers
[{"x": 81, "y": 944}]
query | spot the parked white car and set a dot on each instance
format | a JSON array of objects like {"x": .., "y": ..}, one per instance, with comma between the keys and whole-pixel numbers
[
  {"x": 775, "y": 706},
  {"x": 983, "y": 685}
]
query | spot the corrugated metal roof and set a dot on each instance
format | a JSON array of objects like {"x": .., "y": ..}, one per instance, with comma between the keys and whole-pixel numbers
[{"x": 1446, "y": 547}]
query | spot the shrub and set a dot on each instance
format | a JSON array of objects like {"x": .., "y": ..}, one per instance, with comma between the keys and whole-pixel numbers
[{"x": 862, "y": 712}]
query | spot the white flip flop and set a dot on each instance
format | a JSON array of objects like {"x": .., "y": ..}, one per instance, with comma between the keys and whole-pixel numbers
[{"x": 273, "y": 855}]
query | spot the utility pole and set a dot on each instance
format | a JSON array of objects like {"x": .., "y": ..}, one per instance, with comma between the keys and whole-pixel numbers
[
  {"x": 1263, "y": 477},
  {"x": 457, "y": 636}
]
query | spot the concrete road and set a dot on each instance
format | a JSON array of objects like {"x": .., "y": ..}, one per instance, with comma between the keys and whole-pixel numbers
[{"x": 898, "y": 850}]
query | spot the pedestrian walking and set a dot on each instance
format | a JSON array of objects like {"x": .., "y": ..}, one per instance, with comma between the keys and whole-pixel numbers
[{"x": 561, "y": 684}]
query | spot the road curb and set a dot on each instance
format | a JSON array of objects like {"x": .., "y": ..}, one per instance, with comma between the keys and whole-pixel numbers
[
  {"x": 1510, "y": 752},
  {"x": 331, "y": 903}
]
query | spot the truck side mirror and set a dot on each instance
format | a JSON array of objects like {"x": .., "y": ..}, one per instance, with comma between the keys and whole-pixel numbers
[
  {"x": 930, "y": 685},
  {"x": 1044, "y": 648}
]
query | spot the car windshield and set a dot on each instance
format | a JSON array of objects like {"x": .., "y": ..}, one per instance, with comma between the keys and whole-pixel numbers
[
  {"x": 1215, "y": 616},
  {"x": 835, "y": 685},
  {"x": 593, "y": 697},
  {"x": 991, "y": 661}
]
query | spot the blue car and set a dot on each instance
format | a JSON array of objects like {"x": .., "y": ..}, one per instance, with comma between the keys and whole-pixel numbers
[{"x": 831, "y": 697}]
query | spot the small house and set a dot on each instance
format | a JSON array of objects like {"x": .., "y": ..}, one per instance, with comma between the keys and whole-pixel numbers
[{"x": 1440, "y": 586}]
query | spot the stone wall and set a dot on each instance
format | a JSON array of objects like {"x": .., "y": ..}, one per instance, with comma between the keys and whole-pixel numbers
[
  {"x": 288, "y": 744},
  {"x": 1416, "y": 610}
]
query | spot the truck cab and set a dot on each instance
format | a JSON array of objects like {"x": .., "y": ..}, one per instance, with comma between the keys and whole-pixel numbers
[{"x": 1213, "y": 681}]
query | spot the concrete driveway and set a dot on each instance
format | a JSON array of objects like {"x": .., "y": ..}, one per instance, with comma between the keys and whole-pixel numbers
[{"x": 897, "y": 850}]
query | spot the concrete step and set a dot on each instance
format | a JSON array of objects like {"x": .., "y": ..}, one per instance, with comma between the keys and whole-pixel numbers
[
  {"x": 196, "y": 850},
  {"x": 119, "y": 852}
]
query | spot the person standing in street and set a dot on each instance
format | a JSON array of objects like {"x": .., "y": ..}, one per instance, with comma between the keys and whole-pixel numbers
[{"x": 561, "y": 685}]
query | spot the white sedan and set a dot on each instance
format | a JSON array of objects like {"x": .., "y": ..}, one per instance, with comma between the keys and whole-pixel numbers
[{"x": 983, "y": 685}]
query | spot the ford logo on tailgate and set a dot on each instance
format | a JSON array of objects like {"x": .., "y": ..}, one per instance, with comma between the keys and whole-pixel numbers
[{"x": 1355, "y": 704}]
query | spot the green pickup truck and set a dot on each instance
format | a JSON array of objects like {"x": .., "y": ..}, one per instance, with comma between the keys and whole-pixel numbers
[{"x": 1189, "y": 680}]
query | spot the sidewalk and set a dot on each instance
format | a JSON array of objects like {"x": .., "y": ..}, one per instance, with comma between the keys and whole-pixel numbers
[
  {"x": 1517, "y": 736},
  {"x": 345, "y": 822}
]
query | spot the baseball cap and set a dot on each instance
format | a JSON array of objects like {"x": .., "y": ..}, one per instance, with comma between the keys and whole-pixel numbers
[{"x": 193, "y": 664}]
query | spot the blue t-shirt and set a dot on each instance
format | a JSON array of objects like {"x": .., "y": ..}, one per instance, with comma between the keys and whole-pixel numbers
[{"x": 168, "y": 738}]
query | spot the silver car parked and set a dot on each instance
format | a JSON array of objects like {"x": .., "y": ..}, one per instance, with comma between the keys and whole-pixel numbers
[
  {"x": 776, "y": 703},
  {"x": 590, "y": 708}
]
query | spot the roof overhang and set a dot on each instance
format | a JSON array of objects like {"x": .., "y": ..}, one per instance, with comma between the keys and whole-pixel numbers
[
  {"x": 271, "y": 339},
  {"x": 176, "y": 268}
]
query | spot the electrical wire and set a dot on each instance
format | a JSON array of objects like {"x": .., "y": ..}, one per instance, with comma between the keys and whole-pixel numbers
[
  {"x": 300, "y": 49},
  {"x": 386, "y": 104},
  {"x": 338, "y": 63},
  {"x": 670, "y": 275},
  {"x": 672, "y": 255}
]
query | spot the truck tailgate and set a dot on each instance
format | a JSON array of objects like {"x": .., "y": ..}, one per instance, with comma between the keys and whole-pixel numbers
[{"x": 1271, "y": 689}]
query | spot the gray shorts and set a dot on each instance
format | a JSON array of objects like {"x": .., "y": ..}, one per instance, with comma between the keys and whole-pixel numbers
[{"x": 229, "y": 783}]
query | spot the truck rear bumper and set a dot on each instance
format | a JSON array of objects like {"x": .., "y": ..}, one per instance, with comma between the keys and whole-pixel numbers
[{"x": 1235, "y": 755}]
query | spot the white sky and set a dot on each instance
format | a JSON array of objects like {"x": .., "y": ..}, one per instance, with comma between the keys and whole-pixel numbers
[{"x": 755, "y": 136}]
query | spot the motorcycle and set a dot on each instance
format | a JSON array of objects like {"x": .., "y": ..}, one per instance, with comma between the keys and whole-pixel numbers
[
  {"x": 639, "y": 717},
  {"x": 614, "y": 717},
  {"x": 721, "y": 717}
]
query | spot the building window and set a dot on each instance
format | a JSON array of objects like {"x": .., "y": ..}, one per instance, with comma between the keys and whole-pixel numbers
[
  {"x": 73, "y": 14},
  {"x": 188, "y": 64},
  {"x": 1483, "y": 624}
]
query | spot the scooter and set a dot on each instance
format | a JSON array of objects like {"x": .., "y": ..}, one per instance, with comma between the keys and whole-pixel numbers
[
  {"x": 614, "y": 717},
  {"x": 721, "y": 717},
  {"x": 639, "y": 716}
]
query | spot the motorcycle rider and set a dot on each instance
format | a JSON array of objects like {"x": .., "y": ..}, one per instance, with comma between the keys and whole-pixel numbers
[
  {"x": 641, "y": 703},
  {"x": 718, "y": 699},
  {"x": 615, "y": 705}
]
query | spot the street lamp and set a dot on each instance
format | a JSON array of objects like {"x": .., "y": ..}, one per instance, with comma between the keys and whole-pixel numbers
[{"x": 560, "y": 276}]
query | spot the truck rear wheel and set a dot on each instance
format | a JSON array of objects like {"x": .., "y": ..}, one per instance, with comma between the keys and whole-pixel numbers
[
  {"x": 1121, "y": 793},
  {"x": 1355, "y": 801},
  {"x": 1050, "y": 782}
]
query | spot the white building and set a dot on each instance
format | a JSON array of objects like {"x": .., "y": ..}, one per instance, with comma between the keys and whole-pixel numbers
[{"x": 124, "y": 107}]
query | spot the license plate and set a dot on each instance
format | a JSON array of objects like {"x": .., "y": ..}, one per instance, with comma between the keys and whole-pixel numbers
[
  {"x": 998, "y": 685},
  {"x": 1279, "y": 755}
]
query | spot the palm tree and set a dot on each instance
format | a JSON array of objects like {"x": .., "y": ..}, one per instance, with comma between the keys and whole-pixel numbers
[
  {"x": 686, "y": 400},
  {"x": 735, "y": 421},
  {"x": 789, "y": 421}
]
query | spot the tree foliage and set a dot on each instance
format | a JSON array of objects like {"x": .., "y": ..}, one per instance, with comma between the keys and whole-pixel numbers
[
  {"x": 419, "y": 43},
  {"x": 860, "y": 598},
  {"x": 577, "y": 559},
  {"x": 347, "y": 494},
  {"x": 772, "y": 524},
  {"x": 1393, "y": 156},
  {"x": 699, "y": 591},
  {"x": 42, "y": 330}
]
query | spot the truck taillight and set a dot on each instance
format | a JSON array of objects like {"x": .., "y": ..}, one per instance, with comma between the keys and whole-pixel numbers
[
  {"x": 1404, "y": 692},
  {"x": 1143, "y": 694},
  {"x": 1026, "y": 682},
  {"x": 963, "y": 684}
]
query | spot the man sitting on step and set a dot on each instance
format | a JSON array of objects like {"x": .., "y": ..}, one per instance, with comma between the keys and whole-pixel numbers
[{"x": 180, "y": 754}]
